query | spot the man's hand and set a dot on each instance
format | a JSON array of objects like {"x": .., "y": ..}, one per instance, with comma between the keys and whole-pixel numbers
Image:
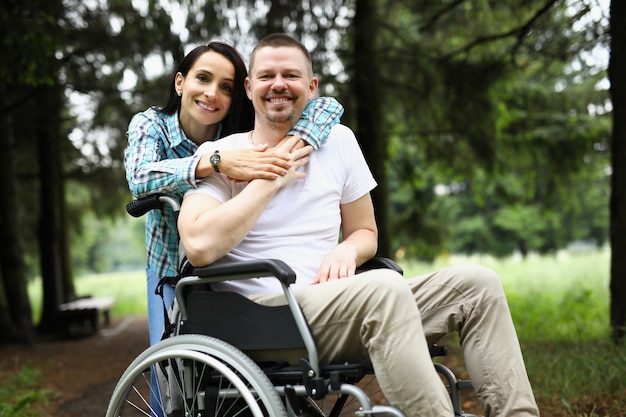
[
  {"x": 298, "y": 153},
  {"x": 360, "y": 236},
  {"x": 291, "y": 144},
  {"x": 339, "y": 263}
]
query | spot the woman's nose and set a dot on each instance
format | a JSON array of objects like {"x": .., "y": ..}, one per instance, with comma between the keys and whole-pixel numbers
[{"x": 211, "y": 93}]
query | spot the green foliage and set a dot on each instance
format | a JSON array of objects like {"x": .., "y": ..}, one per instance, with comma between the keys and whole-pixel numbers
[
  {"x": 105, "y": 245},
  {"x": 507, "y": 119},
  {"x": 29, "y": 41},
  {"x": 557, "y": 298},
  {"x": 21, "y": 395}
]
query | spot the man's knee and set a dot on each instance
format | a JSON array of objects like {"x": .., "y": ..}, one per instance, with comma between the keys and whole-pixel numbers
[
  {"x": 384, "y": 287},
  {"x": 481, "y": 280},
  {"x": 383, "y": 279}
]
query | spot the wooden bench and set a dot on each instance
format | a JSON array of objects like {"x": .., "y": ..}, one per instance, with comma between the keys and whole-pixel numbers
[{"x": 81, "y": 315}]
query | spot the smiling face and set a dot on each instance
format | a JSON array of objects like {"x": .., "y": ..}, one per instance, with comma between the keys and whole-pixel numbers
[
  {"x": 280, "y": 84},
  {"x": 206, "y": 95}
]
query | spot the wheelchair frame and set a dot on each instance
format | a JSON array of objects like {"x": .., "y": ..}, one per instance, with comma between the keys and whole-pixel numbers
[{"x": 211, "y": 368}]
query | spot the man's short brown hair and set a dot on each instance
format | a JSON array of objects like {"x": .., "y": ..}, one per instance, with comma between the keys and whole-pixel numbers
[{"x": 278, "y": 40}]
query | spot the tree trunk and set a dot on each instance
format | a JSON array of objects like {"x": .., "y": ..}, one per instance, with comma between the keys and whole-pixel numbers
[
  {"x": 15, "y": 310},
  {"x": 53, "y": 246},
  {"x": 617, "y": 69},
  {"x": 369, "y": 113}
]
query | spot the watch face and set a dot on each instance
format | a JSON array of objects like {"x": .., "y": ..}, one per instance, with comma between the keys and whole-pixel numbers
[{"x": 215, "y": 159}]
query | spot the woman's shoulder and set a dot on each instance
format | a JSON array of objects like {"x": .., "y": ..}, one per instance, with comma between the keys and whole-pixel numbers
[
  {"x": 154, "y": 120},
  {"x": 153, "y": 114}
]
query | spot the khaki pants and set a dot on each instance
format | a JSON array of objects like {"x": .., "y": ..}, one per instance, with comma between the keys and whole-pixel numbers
[{"x": 391, "y": 320}]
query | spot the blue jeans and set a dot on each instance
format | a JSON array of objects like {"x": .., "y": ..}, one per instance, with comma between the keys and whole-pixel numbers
[
  {"x": 156, "y": 325},
  {"x": 156, "y": 320}
]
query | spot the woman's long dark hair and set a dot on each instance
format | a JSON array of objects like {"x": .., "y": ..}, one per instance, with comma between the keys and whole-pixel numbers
[{"x": 240, "y": 117}]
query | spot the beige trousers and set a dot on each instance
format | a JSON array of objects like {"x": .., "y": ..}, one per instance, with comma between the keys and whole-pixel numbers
[{"x": 391, "y": 320}]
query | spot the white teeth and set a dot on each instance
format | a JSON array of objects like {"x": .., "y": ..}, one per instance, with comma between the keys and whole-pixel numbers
[
  {"x": 206, "y": 107},
  {"x": 277, "y": 100}
]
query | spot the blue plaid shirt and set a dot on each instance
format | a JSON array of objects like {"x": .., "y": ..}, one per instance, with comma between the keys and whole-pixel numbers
[{"x": 160, "y": 159}]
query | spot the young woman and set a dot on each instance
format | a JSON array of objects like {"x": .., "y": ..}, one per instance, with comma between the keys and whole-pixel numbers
[{"x": 206, "y": 101}]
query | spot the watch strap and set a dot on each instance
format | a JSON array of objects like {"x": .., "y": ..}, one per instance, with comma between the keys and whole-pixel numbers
[{"x": 215, "y": 164}]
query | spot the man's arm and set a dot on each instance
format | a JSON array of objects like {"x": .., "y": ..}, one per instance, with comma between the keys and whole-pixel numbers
[
  {"x": 208, "y": 229},
  {"x": 360, "y": 241}
]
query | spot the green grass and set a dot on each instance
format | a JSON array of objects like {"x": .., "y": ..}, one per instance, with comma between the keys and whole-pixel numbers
[
  {"x": 128, "y": 288},
  {"x": 561, "y": 298},
  {"x": 20, "y": 394}
]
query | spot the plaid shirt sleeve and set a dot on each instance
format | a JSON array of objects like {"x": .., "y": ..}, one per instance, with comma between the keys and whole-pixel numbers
[
  {"x": 151, "y": 164},
  {"x": 319, "y": 116}
]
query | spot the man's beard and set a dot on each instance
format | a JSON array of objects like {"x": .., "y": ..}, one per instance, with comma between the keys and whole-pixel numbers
[{"x": 279, "y": 116}]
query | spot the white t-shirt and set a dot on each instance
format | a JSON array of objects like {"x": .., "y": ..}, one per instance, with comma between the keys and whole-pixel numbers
[{"x": 301, "y": 224}]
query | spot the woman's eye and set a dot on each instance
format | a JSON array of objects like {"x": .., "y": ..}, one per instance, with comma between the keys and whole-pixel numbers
[{"x": 227, "y": 88}]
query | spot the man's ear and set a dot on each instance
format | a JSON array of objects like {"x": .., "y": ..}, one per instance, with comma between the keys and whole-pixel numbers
[
  {"x": 246, "y": 85},
  {"x": 313, "y": 85}
]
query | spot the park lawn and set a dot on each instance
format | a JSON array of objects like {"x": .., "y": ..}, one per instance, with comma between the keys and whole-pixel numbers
[{"x": 128, "y": 289}]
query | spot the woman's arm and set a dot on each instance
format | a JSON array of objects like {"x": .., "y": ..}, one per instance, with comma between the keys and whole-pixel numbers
[
  {"x": 319, "y": 116},
  {"x": 152, "y": 164}
]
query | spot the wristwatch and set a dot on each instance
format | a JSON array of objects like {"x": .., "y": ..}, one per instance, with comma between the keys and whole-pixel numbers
[{"x": 215, "y": 160}]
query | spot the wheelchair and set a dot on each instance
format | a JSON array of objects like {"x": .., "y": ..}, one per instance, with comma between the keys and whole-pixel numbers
[{"x": 229, "y": 356}]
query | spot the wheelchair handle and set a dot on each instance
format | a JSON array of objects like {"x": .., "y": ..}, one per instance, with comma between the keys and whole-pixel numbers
[{"x": 141, "y": 206}]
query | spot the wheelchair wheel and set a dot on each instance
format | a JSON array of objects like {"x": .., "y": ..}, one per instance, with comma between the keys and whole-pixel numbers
[{"x": 197, "y": 376}]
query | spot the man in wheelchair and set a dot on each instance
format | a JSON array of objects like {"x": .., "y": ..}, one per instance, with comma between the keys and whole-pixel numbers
[{"x": 299, "y": 218}]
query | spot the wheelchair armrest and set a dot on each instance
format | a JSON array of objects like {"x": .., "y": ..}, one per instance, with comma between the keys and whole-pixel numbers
[
  {"x": 380, "y": 263},
  {"x": 243, "y": 270}
]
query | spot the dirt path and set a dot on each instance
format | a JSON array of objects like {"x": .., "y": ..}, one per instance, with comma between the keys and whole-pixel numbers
[{"x": 83, "y": 372}]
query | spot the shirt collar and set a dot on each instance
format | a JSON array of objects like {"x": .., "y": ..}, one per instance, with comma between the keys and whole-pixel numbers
[{"x": 177, "y": 135}]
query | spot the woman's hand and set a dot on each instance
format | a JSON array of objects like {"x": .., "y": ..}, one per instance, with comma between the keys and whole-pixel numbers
[{"x": 260, "y": 162}]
